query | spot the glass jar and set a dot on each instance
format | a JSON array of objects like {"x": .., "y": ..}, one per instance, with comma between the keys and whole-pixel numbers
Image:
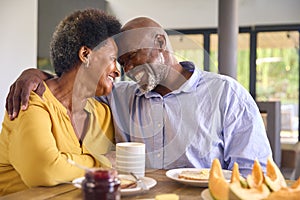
[{"x": 101, "y": 184}]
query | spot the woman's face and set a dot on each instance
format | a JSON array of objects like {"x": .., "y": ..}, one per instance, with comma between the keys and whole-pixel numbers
[{"x": 103, "y": 67}]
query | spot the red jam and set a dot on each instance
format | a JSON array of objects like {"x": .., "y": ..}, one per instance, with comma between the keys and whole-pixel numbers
[{"x": 101, "y": 184}]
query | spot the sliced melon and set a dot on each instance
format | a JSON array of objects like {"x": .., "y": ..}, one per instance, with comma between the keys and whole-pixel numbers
[
  {"x": 291, "y": 193},
  {"x": 217, "y": 184},
  {"x": 236, "y": 177},
  {"x": 274, "y": 178},
  {"x": 243, "y": 182},
  {"x": 257, "y": 190},
  {"x": 296, "y": 185},
  {"x": 236, "y": 191},
  {"x": 255, "y": 179},
  {"x": 285, "y": 193}
]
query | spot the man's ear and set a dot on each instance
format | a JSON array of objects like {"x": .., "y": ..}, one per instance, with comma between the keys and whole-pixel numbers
[
  {"x": 84, "y": 53},
  {"x": 160, "y": 42}
]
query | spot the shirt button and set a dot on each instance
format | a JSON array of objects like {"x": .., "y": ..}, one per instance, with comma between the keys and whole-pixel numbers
[
  {"x": 158, "y": 155},
  {"x": 159, "y": 125}
]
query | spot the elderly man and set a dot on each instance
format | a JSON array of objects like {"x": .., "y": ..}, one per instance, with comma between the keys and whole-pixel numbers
[{"x": 185, "y": 116}]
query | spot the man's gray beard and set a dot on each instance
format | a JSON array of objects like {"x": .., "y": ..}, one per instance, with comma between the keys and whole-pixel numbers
[
  {"x": 152, "y": 83},
  {"x": 154, "y": 77}
]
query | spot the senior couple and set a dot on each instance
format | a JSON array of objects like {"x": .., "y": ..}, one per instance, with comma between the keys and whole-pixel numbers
[{"x": 185, "y": 116}]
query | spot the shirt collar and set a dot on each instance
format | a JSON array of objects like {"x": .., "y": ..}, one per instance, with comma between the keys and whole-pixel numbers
[{"x": 189, "y": 86}]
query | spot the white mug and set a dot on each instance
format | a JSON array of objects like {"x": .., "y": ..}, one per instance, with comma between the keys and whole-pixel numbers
[{"x": 130, "y": 157}]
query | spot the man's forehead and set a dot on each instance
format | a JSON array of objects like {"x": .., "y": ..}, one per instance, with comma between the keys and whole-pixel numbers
[{"x": 139, "y": 38}]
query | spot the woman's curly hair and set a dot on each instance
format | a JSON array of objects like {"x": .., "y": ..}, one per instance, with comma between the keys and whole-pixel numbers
[{"x": 88, "y": 28}]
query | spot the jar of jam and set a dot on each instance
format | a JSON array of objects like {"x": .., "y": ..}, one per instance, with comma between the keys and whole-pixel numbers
[{"x": 101, "y": 184}]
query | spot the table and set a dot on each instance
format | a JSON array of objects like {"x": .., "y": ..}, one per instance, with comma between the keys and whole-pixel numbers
[{"x": 68, "y": 191}]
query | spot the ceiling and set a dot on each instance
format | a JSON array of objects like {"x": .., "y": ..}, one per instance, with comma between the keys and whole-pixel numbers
[{"x": 178, "y": 14}]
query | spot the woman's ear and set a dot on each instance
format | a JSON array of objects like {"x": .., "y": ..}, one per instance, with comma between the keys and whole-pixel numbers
[
  {"x": 84, "y": 53},
  {"x": 160, "y": 42}
]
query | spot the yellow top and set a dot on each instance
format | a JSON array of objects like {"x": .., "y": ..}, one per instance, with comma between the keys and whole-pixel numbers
[{"x": 35, "y": 146}]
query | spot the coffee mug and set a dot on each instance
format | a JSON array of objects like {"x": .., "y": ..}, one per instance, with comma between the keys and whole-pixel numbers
[{"x": 130, "y": 158}]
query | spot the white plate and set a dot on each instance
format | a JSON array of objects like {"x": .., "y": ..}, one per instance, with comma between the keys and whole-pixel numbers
[
  {"x": 149, "y": 182},
  {"x": 173, "y": 174},
  {"x": 205, "y": 195}
]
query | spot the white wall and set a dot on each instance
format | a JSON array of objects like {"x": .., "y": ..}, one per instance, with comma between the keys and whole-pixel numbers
[
  {"x": 18, "y": 36},
  {"x": 185, "y": 14}
]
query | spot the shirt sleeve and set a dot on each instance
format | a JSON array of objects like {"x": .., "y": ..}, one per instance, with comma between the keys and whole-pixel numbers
[
  {"x": 245, "y": 137},
  {"x": 35, "y": 155}
]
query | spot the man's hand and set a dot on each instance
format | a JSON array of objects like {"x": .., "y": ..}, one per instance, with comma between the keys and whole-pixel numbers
[{"x": 18, "y": 96}]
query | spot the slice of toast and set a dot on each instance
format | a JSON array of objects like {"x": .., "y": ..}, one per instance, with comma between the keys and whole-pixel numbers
[
  {"x": 194, "y": 175},
  {"x": 127, "y": 183}
]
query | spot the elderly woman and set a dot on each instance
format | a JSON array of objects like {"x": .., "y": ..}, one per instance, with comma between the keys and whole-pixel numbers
[{"x": 36, "y": 146}]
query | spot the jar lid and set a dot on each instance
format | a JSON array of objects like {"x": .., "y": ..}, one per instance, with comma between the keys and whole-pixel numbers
[{"x": 101, "y": 174}]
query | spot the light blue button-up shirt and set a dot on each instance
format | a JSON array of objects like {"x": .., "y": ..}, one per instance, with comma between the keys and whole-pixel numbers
[{"x": 210, "y": 116}]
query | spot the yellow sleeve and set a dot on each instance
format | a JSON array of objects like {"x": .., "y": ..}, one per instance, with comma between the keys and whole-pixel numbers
[{"x": 35, "y": 155}]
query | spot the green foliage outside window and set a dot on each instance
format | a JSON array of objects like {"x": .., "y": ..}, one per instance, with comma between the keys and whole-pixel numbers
[{"x": 277, "y": 78}]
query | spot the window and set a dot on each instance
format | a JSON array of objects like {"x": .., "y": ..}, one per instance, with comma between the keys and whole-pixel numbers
[
  {"x": 243, "y": 67},
  {"x": 277, "y": 77},
  {"x": 188, "y": 47}
]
